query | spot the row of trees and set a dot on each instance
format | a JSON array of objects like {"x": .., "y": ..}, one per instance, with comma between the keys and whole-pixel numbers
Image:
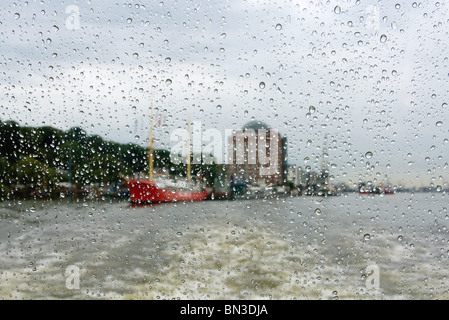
[{"x": 40, "y": 159}]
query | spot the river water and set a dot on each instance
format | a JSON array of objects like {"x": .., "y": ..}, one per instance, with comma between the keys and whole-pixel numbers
[{"x": 288, "y": 248}]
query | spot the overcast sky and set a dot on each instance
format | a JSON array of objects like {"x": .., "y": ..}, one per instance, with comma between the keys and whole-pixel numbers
[{"x": 372, "y": 75}]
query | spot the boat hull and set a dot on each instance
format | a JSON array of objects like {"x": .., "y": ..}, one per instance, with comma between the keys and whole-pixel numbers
[{"x": 147, "y": 191}]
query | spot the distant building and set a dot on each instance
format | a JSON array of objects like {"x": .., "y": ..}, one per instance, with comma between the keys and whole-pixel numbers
[
  {"x": 256, "y": 155},
  {"x": 296, "y": 176}
]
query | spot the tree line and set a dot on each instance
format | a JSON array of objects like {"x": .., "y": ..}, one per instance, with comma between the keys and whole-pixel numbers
[{"x": 41, "y": 158}]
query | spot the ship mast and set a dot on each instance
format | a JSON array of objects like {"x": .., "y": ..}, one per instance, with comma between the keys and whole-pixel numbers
[
  {"x": 151, "y": 149},
  {"x": 188, "y": 149},
  {"x": 324, "y": 162}
]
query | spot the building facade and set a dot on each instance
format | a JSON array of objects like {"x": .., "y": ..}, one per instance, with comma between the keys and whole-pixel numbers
[{"x": 256, "y": 155}]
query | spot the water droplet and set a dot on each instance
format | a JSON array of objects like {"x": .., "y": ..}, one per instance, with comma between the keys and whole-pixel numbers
[
  {"x": 129, "y": 20},
  {"x": 262, "y": 85},
  {"x": 279, "y": 26},
  {"x": 383, "y": 38},
  {"x": 168, "y": 82},
  {"x": 400, "y": 238},
  {"x": 439, "y": 123},
  {"x": 369, "y": 155},
  {"x": 337, "y": 9},
  {"x": 317, "y": 211},
  {"x": 367, "y": 237},
  {"x": 16, "y": 15},
  {"x": 179, "y": 234}
]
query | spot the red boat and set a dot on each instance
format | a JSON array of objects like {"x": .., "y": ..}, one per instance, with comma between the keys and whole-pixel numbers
[
  {"x": 365, "y": 192},
  {"x": 147, "y": 191},
  {"x": 143, "y": 191}
]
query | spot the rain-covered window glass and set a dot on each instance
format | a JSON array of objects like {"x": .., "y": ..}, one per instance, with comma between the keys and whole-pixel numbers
[{"x": 224, "y": 149}]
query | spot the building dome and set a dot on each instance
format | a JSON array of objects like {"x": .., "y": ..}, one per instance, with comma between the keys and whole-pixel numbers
[{"x": 256, "y": 125}]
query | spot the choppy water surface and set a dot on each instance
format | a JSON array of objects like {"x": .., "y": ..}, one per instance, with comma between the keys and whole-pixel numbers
[{"x": 291, "y": 248}]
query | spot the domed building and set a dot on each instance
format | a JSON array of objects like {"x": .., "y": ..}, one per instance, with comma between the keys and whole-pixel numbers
[
  {"x": 256, "y": 155},
  {"x": 256, "y": 125}
]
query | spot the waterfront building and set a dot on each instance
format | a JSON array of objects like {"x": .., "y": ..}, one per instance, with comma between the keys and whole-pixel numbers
[{"x": 257, "y": 156}]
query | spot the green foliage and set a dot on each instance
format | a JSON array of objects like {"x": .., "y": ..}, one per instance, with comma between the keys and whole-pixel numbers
[
  {"x": 6, "y": 172},
  {"x": 40, "y": 158},
  {"x": 4, "y": 192}
]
